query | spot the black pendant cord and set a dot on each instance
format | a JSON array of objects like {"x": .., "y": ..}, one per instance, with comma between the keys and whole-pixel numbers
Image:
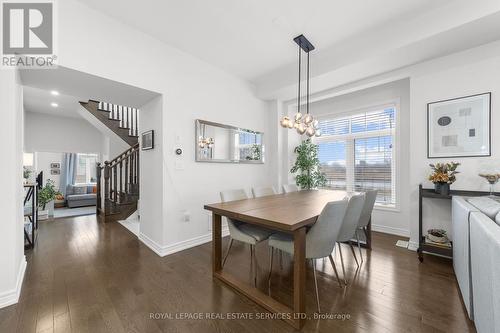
[
  {"x": 300, "y": 65},
  {"x": 307, "y": 96}
]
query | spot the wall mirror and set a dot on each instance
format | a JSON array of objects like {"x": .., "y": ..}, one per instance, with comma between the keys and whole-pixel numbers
[{"x": 227, "y": 144}]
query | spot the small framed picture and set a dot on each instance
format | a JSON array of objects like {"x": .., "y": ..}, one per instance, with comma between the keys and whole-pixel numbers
[
  {"x": 148, "y": 140},
  {"x": 55, "y": 172},
  {"x": 459, "y": 127},
  {"x": 55, "y": 165}
]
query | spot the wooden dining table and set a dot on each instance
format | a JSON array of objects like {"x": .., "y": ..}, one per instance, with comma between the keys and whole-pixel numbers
[{"x": 289, "y": 212}]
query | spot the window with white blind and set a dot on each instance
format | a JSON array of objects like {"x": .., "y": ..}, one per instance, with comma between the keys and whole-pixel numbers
[{"x": 356, "y": 152}]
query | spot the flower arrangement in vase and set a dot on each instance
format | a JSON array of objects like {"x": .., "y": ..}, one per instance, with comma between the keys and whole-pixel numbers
[{"x": 443, "y": 175}]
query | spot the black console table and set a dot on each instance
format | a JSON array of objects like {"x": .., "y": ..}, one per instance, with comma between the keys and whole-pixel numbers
[{"x": 423, "y": 246}]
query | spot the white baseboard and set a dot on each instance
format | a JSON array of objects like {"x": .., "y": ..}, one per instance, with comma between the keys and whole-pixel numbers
[
  {"x": 165, "y": 250},
  {"x": 391, "y": 230},
  {"x": 12, "y": 296}
]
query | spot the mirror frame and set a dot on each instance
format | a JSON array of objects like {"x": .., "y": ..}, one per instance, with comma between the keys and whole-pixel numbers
[{"x": 199, "y": 122}]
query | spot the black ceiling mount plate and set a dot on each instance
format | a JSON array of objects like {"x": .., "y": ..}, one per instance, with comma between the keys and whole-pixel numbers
[{"x": 304, "y": 43}]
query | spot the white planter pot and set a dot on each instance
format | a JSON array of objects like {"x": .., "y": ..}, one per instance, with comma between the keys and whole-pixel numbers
[{"x": 43, "y": 214}]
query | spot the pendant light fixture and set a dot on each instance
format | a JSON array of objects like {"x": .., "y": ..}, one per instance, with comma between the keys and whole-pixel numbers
[{"x": 303, "y": 124}]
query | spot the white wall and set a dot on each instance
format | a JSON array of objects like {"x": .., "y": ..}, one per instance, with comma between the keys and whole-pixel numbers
[
  {"x": 395, "y": 221},
  {"x": 60, "y": 134},
  {"x": 465, "y": 76},
  {"x": 191, "y": 89},
  {"x": 12, "y": 260},
  {"x": 152, "y": 178},
  {"x": 42, "y": 163}
]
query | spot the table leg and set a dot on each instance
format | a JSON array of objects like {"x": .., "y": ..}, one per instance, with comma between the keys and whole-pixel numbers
[
  {"x": 216, "y": 243},
  {"x": 299, "y": 276}
]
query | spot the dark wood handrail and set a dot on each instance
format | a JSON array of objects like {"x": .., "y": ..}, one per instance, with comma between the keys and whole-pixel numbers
[{"x": 121, "y": 156}]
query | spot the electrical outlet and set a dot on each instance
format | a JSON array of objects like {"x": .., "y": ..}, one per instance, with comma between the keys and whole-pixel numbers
[{"x": 186, "y": 216}]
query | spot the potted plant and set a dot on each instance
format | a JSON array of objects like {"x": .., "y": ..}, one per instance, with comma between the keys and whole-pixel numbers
[
  {"x": 307, "y": 166},
  {"x": 46, "y": 195},
  {"x": 443, "y": 175}
]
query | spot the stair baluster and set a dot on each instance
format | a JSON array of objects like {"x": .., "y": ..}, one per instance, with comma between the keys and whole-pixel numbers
[
  {"x": 121, "y": 180},
  {"x": 115, "y": 184},
  {"x": 131, "y": 178}
]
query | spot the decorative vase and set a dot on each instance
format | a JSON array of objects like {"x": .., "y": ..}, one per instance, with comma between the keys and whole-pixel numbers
[{"x": 442, "y": 188}]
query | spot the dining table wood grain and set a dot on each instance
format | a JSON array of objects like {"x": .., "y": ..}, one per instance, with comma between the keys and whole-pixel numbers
[{"x": 288, "y": 212}]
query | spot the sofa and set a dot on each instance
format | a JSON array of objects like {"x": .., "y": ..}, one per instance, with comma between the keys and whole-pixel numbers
[
  {"x": 476, "y": 258},
  {"x": 80, "y": 196}
]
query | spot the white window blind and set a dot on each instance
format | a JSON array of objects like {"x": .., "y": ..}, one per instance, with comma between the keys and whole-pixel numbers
[{"x": 356, "y": 152}]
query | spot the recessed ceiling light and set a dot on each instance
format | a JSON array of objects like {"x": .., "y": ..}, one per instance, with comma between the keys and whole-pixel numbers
[
  {"x": 55, "y": 92},
  {"x": 55, "y": 105}
]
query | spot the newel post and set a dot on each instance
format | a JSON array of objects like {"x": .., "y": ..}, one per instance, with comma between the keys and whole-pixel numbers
[
  {"x": 107, "y": 175},
  {"x": 98, "y": 185}
]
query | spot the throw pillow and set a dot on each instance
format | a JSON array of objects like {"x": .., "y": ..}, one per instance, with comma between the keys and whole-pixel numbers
[
  {"x": 94, "y": 189},
  {"x": 80, "y": 190}
]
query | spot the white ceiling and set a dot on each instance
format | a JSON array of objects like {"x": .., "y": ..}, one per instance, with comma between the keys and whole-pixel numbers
[
  {"x": 85, "y": 86},
  {"x": 254, "y": 37},
  {"x": 39, "y": 100}
]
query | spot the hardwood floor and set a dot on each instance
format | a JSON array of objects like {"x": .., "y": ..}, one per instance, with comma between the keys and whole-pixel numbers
[{"x": 85, "y": 276}]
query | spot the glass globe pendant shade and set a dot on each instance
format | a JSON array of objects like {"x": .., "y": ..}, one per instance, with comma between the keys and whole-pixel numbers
[
  {"x": 298, "y": 116},
  {"x": 310, "y": 131},
  {"x": 301, "y": 129},
  {"x": 290, "y": 124},
  {"x": 315, "y": 124},
  {"x": 284, "y": 122},
  {"x": 308, "y": 119},
  {"x": 318, "y": 132}
]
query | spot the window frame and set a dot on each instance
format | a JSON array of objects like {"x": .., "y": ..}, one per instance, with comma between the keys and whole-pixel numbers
[{"x": 350, "y": 154}]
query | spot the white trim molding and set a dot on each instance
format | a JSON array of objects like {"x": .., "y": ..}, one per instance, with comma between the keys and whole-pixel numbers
[
  {"x": 165, "y": 250},
  {"x": 391, "y": 230},
  {"x": 12, "y": 296}
]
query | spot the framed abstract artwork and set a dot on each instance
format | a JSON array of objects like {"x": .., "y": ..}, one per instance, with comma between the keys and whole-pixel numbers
[{"x": 459, "y": 127}]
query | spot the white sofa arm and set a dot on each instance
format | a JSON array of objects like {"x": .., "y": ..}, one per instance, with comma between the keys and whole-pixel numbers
[
  {"x": 460, "y": 210},
  {"x": 485, "y": 269}
]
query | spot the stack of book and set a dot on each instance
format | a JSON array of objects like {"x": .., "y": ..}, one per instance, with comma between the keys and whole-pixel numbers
[{"x": 446, "y": 245}]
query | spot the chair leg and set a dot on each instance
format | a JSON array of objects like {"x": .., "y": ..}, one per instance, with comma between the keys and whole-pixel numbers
[
  {"x": 354, "y": 254},
  {"x": 335, "y": 270},
  {"x": 359, "y": 245},
  {"x": 316, "y": 283},
  {"x": 342, "y": 262},
  {"x": 281, "y": 259},
  {"x": 227, "y": 252},
  {"x": 271, "y": 255},
  {"x": 254, "y": 266}
]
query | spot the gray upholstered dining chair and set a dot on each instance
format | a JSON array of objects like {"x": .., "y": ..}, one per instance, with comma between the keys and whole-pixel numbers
[
  {"x": 243, "y": 232},
  {"x": 263, "y": 191},
  {"x": 290, "y": 188},
  {"x": 366, "y": 214},
  {"x": 350, "y": 226},
  {"x": 320, "y": 239}
]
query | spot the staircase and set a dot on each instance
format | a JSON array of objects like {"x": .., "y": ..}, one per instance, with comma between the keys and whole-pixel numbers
[
  {"x": 118, "y": 179},
  {"x": 122, "y": 120},
  {"x": 118, "y": 186}
]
